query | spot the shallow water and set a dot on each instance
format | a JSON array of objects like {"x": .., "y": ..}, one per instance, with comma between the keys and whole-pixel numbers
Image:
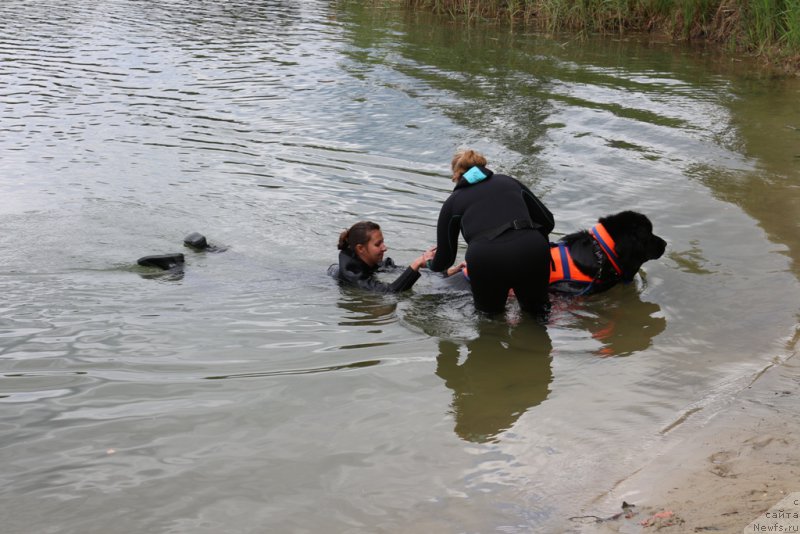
[{"x": 249, "y": 393}]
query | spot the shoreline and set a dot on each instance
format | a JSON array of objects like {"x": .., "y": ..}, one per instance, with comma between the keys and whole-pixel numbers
[{"x": 718, "y": 476}]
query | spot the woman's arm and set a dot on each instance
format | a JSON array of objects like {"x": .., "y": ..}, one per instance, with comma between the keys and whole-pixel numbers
[
  {"x": 537, "y": 210},
  {"x": 447, "y": 229},
  {"x": 411, "y": 274}
]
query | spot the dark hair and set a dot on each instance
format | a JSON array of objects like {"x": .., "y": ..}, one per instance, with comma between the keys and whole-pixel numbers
[{"x": 358, "y": 234}]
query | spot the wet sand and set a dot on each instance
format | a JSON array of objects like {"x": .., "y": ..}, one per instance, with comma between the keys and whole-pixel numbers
[{"x": 717, "y": 477}]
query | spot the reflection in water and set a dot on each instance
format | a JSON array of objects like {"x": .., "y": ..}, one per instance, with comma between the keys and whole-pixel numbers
[
  {"x": 626, "y": 327},
  {"x": 620, "y": 320},
  {"x": 692, "y": 260},
  {"x": 768, "y": 126},
  {"x": 366, "y": 309},
  {"x": 505, "y": 372},
  {"x": 169, "y": 275}
]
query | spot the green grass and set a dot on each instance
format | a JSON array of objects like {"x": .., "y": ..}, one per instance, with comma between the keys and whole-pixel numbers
[
  {"x": 767, "y": 27},
  {"x": 790, "y": 35}
]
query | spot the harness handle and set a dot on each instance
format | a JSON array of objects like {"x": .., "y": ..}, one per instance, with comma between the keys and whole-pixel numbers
[{"x": 516, "y": 224}]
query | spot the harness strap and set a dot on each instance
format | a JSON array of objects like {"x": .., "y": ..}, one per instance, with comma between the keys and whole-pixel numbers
[
  {"x": 607, "y": 245},
  {"x": 562, "y": 251},
  {"x": 516, "y": 224}
]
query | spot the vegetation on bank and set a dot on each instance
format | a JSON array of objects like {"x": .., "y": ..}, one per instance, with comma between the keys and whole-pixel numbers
[{"x": 768, "y": 28}]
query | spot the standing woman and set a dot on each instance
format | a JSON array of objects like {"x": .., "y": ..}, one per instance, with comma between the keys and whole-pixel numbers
[
  {"x": 361, "y": 250},
  {"x": 505, "y": 227}
]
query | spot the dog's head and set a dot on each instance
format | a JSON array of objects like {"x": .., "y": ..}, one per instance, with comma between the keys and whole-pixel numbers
[{"x": 635, "y": 242}]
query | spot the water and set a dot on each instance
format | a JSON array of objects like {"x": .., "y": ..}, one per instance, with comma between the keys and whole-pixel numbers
[{"x": 250, "y": 393}]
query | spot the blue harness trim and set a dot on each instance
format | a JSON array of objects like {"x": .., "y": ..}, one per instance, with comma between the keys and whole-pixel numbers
[{"x": 562, "y": 250}]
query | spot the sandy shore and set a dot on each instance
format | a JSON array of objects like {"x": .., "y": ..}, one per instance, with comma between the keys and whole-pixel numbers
[{"x": 718, "y": 477}]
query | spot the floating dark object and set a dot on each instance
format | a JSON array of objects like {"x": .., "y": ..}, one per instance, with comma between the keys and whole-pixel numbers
[
  {"x": 163, "y": 261},
  {"x": 195, "y": 240}
]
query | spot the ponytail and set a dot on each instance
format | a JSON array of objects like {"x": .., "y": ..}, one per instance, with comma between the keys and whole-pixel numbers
[
  {"x": 343, "y": 240},
  {"x": 358, "y": 234}
]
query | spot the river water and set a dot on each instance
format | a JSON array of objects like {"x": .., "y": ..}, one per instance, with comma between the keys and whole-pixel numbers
[{"x": 249, "y": 393}]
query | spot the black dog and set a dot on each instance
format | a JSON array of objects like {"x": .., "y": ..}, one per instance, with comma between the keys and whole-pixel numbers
[{"x": 613, "y": 251}]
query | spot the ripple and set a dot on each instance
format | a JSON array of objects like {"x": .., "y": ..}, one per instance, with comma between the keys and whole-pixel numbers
[{"x": 356, "y": 365}]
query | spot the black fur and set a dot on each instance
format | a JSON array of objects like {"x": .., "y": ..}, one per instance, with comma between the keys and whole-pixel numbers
[{"x": 635, "y": 244}]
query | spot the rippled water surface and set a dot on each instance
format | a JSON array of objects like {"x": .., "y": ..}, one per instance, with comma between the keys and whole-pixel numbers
[{"x": 249, "y": 393}]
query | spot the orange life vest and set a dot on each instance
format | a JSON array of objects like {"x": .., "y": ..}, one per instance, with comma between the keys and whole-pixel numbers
[{"x": 564, "y": 269}]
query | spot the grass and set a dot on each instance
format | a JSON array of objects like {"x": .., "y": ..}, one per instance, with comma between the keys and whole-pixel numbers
[
  {"x": 791, "y": 21},
  {"x": 770, "y": 28}
]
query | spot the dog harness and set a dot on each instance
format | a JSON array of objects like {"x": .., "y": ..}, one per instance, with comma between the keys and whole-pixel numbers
[{"x": 563, "y": 268}]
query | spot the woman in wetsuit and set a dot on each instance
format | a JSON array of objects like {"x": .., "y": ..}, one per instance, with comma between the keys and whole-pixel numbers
[
  {"x": 506, "y": 229},
  {"x": 361, "y": 250}
]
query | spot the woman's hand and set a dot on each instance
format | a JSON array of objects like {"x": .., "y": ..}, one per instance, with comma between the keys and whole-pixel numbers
[
  {"x": 456, "y": 268},
  {"x": 422, "y": 260}
]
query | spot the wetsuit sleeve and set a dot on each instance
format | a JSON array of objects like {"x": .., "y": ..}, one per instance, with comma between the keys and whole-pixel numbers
[
  {"x": 349, "y": 272},
  {"x": 538, "y": 211},
  {"x": 403, "y": 282},
  {"x": 446, "y": 237}
]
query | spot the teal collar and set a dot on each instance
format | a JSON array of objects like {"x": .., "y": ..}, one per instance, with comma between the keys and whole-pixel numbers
[{"x": 475, "y": 175}]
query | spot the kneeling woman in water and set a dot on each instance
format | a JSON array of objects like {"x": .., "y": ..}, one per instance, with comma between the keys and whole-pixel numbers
[{"x": 361, "y": 255}]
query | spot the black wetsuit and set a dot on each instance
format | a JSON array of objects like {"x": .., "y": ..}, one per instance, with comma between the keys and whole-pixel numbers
[
  {"x": 353, "y": 270},
  {"x": 506, "y": 228}
]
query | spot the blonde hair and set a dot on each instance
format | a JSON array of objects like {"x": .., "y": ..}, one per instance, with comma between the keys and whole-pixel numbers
[{"x": 464, "y": 160}]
